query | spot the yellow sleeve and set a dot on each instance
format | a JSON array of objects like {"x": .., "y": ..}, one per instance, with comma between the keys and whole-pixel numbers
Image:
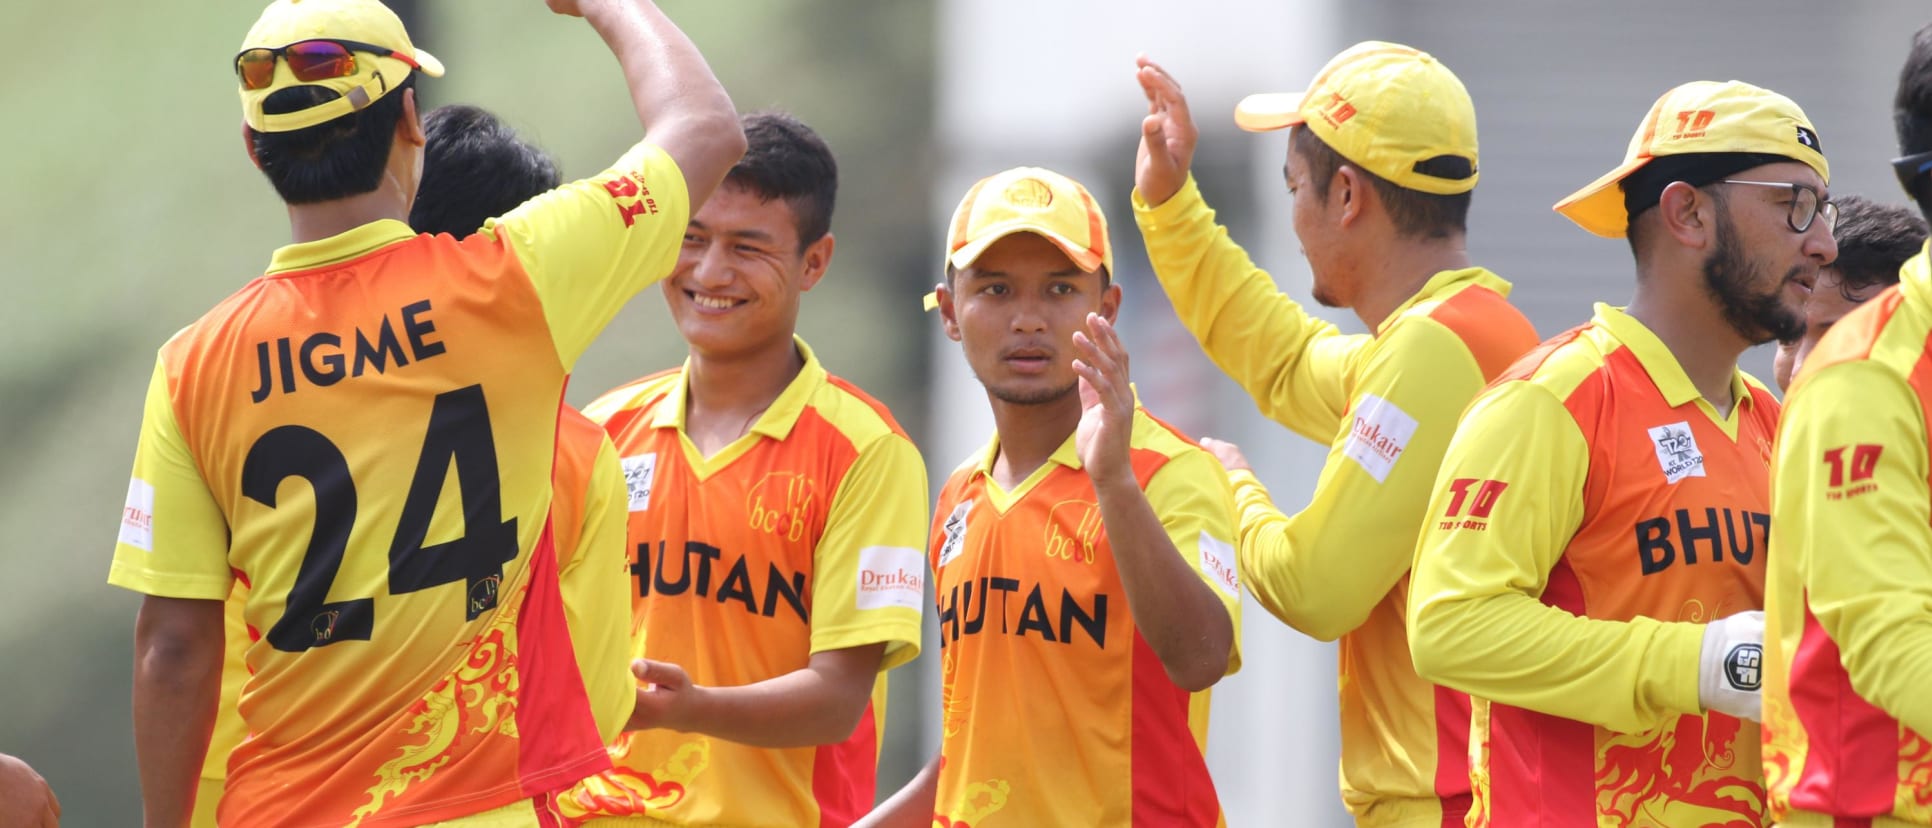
[
  {"x": 596, "y": 591},
  {"x": 174, "y": 537},
  {"x": 590, "y": 245},
  {"x": 1507, "y": 502},
  {"x": 229, "y": 729},
  {"x": 1853, "y": 508},
  {"x": 869, "y": 569},
  {"x": 1323, "y": 570},
  {"x": 1229, "y": 304},
  {"x": 1191, "y": 496}
]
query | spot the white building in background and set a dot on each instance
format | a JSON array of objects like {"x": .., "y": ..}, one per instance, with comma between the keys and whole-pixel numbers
[{"x": 1558, "y": 88}]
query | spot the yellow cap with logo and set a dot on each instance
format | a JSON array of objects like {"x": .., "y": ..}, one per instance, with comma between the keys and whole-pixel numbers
[
  {"x": 1390, "y": 109},
  {"x": 1699, "y": 117},
  {"x": 1028, "y": 200},
  {"x": 356, "y": 23}
]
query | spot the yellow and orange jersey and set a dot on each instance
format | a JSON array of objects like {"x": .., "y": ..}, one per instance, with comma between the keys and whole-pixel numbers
[
  {"x": 1055, "y": 711},
  {"x": 365, "y": 436},
  {"x": 1848, "y": 618},
  {"x": 1386, "y": 405},
  {"x": 1592, "y": 514},
  {"x": 802, "y": 536},
  {"x": 588, "y": 514}
]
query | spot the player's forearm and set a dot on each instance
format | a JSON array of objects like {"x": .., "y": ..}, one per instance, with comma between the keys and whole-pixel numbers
[
  {"x": 1229, "y": 304},
  {"x": 912, "y": 806},
  {"x": 818, "y": 705},
  {"x": 1323, "y": 589},
  {"x": 177, "y": 683},
  {"x": 1175, "y": 611},
  {"x": 678, "y": 99},
  {"x": 1628, "y": 676}
]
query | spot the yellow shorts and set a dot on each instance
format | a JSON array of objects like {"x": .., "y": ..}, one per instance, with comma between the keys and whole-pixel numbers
[
  {"x": 207, "y": 796},
  {"x": 520, "y": 814}
]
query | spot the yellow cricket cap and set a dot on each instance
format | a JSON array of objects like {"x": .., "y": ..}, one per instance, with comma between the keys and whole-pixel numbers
[
  {"x": 1390, "y": 109},
  {"x": 1028, "y": 200},
  {"x": 1699, "y": 117},
  {"x": 361, "y": 21}
]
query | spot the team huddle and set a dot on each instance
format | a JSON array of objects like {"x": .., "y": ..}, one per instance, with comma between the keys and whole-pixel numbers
[{"x": 392, "y": 580}]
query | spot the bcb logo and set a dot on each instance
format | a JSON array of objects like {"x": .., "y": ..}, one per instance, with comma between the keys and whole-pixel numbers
[
  {"x": 1073, "y": 529},
  {"x": 782, "y": 504}
]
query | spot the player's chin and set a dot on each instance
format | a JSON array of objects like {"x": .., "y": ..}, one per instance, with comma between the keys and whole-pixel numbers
[{"x": 1032, "y": 390}]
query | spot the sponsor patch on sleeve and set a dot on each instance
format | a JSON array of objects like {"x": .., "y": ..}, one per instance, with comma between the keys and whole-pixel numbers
[
  {"x": 1217, "y": 560},
  {"x": 891, "y": 576},
  {"x": 639, "y": 472},
  {"x": 1378, "y": 434},
  {"x": 137, "y": 517}
]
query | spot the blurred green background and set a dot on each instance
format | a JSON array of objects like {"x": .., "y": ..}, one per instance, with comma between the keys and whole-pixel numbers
[{"x": 131, "y": 209}]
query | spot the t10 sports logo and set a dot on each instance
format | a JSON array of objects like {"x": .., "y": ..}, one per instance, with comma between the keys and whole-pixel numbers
[{"x": 1478, "y": 495}]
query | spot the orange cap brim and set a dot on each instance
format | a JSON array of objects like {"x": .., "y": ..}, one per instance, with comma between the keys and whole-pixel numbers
[
  {"x": 1598, "y": 207},
  {"x": 966, "y": 254},
  {"x": 1269, "y": 111}
]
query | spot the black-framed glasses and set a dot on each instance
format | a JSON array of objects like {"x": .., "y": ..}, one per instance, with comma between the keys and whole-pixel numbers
[
  {"x": 1911, "y": 171},
  {"x": 310, "y": 60},
  {"x": 1806, "y": 204}
]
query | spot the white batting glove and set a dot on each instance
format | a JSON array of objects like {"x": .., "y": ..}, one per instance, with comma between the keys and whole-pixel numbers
[{"x": 1732, "y": 665}]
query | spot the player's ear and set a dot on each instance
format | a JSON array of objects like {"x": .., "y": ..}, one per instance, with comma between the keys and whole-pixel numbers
[
  {"x": 948, "y": 317},
  {"x": 817, "y": 257},
  {"x": 1348, "y": 192},
  {"x": 410, "y": 127},
  {"x": 248, "y": 144},
  {"x": 1688, "y": 214},
  {"x": 1110, "y": 302}
]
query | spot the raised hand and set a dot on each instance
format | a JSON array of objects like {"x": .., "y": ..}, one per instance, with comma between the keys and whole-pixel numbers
[
  {"x": 1104, "y": 436},
  {"x": 1228, "y": 453},
  {"x": 1167, "y": 135}
]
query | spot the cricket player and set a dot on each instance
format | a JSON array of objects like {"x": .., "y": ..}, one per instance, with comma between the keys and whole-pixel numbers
[
  {"x": 364, "y": 437},
  {"x": 1593, "y": 565},
  {"x": 1874, "y": 242},
  {"x": 1087, "y": 589},
  {"x": 1848, "y": 617},
  {"x": 476, "y": 168},
  {"x": 776, "y": 514},
  {"x": 1381, "y": 165}
]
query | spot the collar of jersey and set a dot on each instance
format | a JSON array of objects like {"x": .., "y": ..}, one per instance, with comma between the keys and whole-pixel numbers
[
  {"x": 340, "y": 247},
  {"x": 1441, "y": 285},
  {"x": 1664, "y": 369},
  {"x": 1066, "y": 456},
  {"x": 776, "y": 422}
]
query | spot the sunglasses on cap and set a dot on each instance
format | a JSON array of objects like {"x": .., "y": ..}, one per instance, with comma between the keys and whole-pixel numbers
[
  {"x": 1911, "y": 171},
  {"x": 310, "y": 60}
]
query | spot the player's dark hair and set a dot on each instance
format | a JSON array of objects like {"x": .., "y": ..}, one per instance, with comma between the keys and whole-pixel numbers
[
  {"x": 1912, "y": 112},
  {"x": 1415, "y": 214},
  {"x": 334, "y": 159},
  {"x": 1874, "y": 240},
  {"x": 785, "y": 159},
  {"x": 475, "y": 168}
]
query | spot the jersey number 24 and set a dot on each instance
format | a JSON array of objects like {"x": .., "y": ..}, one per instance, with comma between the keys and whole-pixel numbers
[{"x": 459, "y": 432}]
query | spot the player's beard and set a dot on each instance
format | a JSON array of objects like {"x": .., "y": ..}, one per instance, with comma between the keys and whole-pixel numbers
[
  {"x": 1729, "y": 278},
  {"x": 1040, "y": 396}
]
